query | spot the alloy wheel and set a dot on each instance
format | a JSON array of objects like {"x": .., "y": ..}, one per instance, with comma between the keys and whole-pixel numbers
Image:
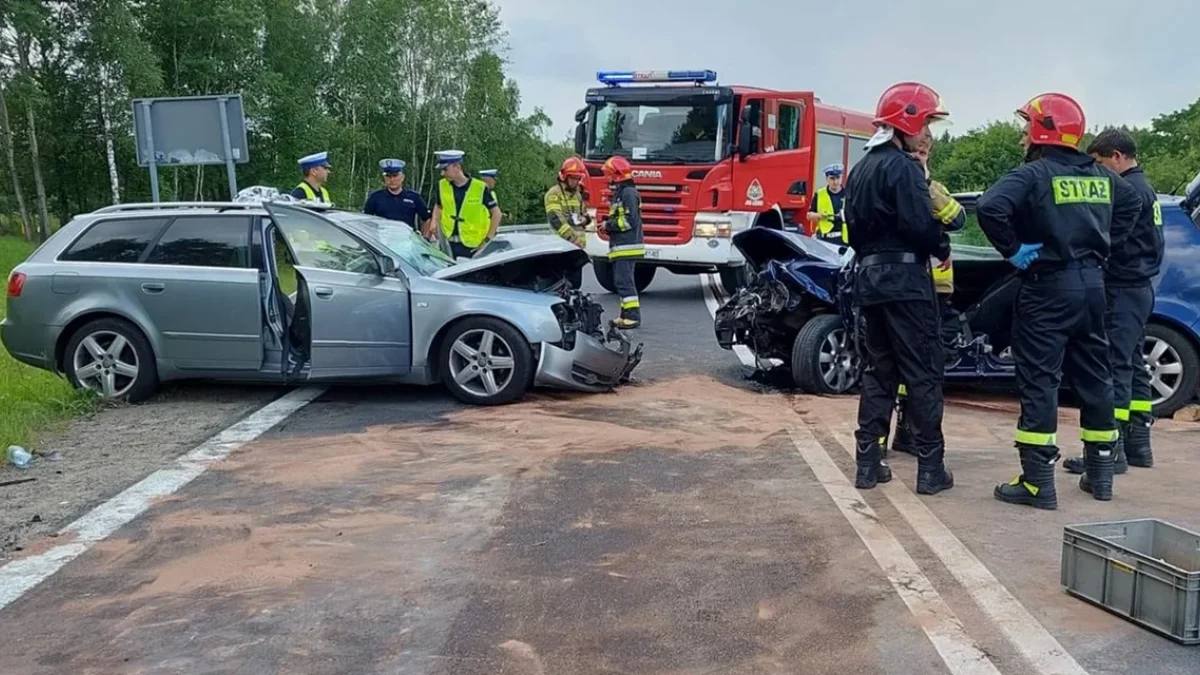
[
  {"x": 481, "y": 362},
  {"x": 106, "y": 363},
  {"x": 839, "y": 363}
]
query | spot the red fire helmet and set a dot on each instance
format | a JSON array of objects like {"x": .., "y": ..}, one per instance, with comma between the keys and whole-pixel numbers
[
  {"x": 908, "y": 106},
  {"x": 1054, "y": 119},
  {"x": 617, "y": 169}
]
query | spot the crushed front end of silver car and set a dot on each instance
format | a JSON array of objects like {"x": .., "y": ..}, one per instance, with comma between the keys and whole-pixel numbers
[{"x": 591, "y": 356}]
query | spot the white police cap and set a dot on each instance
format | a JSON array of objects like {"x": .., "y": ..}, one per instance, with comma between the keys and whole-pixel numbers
[
  {"x": 313, "y": 160},
  {"x": 448, "y": 157},
  {"x": 391, "y": 165},
  {"x": 490, "y": 173}
]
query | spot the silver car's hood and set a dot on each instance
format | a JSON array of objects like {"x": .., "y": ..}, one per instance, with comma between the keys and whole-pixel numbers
[{"x": 552, "y": 248}]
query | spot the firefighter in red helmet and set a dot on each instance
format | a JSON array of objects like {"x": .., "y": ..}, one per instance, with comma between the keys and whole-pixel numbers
[
  {"x": 893, "y": 231},
  {"x": 1055, "y": 218},
  {"x": 566, "y": 202},
  {"x": 625, "y": 240}
]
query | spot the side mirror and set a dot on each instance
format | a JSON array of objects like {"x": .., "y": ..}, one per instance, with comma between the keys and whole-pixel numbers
[
  {"x": 745, "y": 140},
  {"x": 387, "y": 266},
  {"x": 581, "y": 131},
  {"x": 580, "y": 139}
]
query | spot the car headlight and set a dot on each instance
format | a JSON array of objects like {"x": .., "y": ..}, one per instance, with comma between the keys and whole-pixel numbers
[{"x": 713, "y": 226}]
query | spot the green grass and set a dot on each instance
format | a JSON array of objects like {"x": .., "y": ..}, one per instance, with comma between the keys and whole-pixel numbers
[{"x": 31, "y": 400}]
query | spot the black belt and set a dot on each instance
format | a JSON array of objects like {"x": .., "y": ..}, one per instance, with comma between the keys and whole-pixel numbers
[
  {"x": 1059, "y": 265},
  {"x": 888, "y": 258}
]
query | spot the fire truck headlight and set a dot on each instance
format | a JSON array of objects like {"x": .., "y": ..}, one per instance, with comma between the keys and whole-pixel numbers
[{"x": 712, "y": 225}]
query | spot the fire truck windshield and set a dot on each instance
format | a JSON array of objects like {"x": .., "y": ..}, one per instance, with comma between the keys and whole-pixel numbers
[{"x": 660, "y": 132}]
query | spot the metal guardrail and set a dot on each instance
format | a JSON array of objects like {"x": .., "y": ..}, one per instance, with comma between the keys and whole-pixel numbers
[{"x": 528, "y": 228}]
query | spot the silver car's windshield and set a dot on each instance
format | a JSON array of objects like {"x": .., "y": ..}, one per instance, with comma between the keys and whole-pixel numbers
[{"x": 403, "y": 242}]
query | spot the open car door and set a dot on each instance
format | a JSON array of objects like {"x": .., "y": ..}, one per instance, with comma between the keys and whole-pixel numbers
[{"x": 352, "y": 314}]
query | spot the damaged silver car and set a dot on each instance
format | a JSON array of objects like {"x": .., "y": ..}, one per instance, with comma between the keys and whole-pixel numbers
[{"x": 129, "y": 296}]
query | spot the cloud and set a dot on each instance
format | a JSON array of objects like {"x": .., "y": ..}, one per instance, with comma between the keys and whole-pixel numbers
[{"x": 1125, "y": 64}]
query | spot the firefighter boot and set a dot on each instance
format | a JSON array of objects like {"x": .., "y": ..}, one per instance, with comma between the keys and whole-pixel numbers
[
  {"x": 1098, "y": 480},
  {"x": 1078, "y": 465},
  {"x": 871, "y": 467},
  {"x": 903, "y": 441},
  {"x": 1137, "y": 443},
  {"x": 629, "y": 318},
  {"x": 1035, "y": 486},
  {"x": 932, "y": 476}
]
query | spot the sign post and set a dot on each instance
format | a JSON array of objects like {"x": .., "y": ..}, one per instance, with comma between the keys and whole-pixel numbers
[{"x": 191, "y": 131}]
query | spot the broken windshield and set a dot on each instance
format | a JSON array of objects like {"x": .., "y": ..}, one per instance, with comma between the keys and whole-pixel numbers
[{"x": 660, "y": 132}]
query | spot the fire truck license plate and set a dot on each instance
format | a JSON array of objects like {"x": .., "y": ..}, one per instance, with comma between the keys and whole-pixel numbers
[{"x": 653, "y": 254}]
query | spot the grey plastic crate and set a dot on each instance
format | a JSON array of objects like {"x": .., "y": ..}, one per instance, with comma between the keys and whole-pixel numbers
[{"x": 1147, "y": 571}]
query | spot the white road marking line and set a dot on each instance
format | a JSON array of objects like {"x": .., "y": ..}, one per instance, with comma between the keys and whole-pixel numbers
[
  {"x": 714, "y": 299},
  {"x": 19, "y": 576},
  {"x": 1024, "y": 631},
  {"x": 933, "y": 615}
]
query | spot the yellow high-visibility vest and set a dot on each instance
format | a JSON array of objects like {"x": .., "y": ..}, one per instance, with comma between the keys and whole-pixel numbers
[
  {"x": 311, "y": 195},
  {"x": 474, "y": 220},
  {"x": 825, "y": 208}
]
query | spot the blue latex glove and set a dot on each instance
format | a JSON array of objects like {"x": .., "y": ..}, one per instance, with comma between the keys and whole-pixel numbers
[{"x": 1025, "y": 256}]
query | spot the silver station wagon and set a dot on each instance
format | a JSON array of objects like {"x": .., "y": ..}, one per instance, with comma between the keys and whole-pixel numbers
[{"x": 129, "y": 296}]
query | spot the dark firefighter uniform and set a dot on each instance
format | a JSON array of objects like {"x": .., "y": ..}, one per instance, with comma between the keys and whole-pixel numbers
[
  {"x": 953, "y": 218},
  {"x": 891, "y": 228},
  {"x": 625, "y": 240},
  {"x": 1061, "y": 199},
  {"x": 1132, "y": 265}
]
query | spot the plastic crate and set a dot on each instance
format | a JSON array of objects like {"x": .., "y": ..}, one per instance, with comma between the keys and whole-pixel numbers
[{"x": 1147, "y": 571}]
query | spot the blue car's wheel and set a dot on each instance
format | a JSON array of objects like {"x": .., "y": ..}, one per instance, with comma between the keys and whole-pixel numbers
[
  {"x": 823, "y": 357},
  {"x": 1174, "y": 369}
]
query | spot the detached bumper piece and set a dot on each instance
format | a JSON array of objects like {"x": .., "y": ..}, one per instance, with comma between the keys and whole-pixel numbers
[{"x": 589, "y": 364}]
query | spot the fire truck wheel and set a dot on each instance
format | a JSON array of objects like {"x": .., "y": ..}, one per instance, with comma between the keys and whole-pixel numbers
[
  {"x": 642, "y": 276},
  {"x": 604, "y": 274},
  {"x": 733, "y": 278}
]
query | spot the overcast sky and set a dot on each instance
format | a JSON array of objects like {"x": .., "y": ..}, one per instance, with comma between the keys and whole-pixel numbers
[{"x": 1126, "y": 62}]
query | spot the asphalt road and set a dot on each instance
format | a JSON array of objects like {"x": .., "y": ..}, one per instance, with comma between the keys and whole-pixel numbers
[{"x": 691, "y": 522}]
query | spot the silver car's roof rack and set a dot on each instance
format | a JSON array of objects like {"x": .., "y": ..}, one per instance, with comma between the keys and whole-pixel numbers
[{"x": 220, "y": 206}]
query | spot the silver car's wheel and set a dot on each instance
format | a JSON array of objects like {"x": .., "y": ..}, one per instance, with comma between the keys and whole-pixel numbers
[
  {"x": 486, "y": 361},
  {"x": 481, "y": 362},
  {"x": 106, "y": 363},
  {"x": 112, "y": 358}
]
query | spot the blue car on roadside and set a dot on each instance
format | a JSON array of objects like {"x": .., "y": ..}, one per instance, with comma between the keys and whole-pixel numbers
[{"x": 790, "y": 313}]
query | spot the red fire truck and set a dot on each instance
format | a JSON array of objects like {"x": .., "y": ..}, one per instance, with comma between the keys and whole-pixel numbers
[{"x": 709, "y": 161}]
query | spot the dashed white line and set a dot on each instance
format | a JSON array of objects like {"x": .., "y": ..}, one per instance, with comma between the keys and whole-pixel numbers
[
  {"x": 958, "y": 651},
  {"x": 19, "y": 576},
  {"x": 1022, "y": 630},
  {"x": 1025, "y": 632}
]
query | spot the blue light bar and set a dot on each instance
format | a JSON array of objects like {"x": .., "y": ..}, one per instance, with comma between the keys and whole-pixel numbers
[{"x": 613, "y": 78}]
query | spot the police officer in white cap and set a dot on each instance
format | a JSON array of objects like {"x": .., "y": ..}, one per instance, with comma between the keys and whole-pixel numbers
[
  {"x": 315, "y": 168},
  {"x": 464, "y": 208},
  {"x": 394, "y": 201},
  {"x": 489, "y": 176}
]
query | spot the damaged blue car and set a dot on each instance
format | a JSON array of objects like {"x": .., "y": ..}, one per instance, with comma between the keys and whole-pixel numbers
[{"x": 792, "y": 313}]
